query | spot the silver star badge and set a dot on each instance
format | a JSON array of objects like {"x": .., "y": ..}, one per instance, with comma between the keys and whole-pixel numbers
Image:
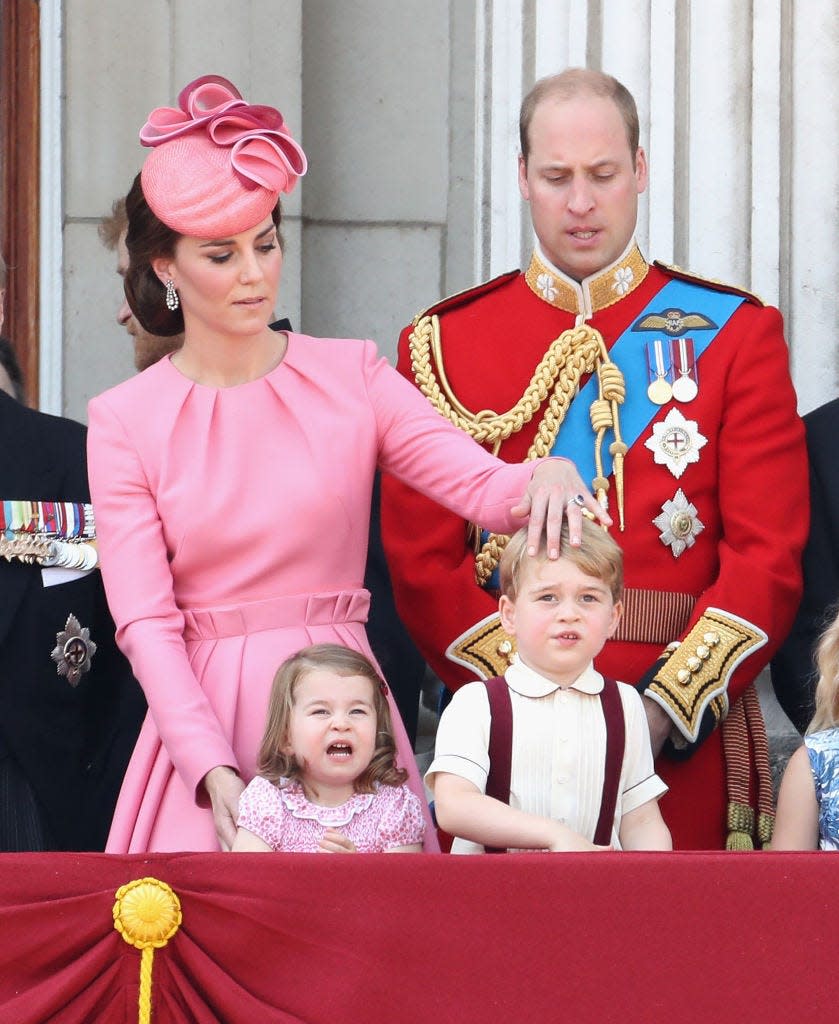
[
  {"x": 675, "y": 442},
  {"x": 73, "y": 651},
  {"x": 678, "y": 523}
]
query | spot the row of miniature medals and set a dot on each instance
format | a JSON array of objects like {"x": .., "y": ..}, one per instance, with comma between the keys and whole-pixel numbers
[
  {"x": 52, "y": 534},
  {"x": 675, "y": 442}
]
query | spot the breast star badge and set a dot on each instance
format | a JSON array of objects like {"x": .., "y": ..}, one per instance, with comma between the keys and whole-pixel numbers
[
  {"x": 73, "y": 651},
  {"x": 675, "y": 443},
  {"x": 678, "y": 523}
]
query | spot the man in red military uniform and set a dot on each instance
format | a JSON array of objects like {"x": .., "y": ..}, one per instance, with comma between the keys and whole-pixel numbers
[{"x": 673, "y": 396}]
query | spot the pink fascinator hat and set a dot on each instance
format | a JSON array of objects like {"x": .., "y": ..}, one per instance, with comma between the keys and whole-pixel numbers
[{"x": 217, "y": 164}]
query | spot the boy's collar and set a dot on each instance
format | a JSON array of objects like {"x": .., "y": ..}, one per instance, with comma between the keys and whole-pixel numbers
[{"x": 529, "y": 683}]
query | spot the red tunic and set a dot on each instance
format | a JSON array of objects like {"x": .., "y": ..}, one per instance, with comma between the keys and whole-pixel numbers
[{"x": 749, "y": 488}]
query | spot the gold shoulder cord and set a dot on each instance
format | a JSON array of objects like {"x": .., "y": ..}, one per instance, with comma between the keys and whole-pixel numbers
[{"x": 576, "y": 352}]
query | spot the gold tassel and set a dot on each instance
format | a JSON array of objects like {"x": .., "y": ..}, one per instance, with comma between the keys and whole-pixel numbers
[
  {"x": 765, "y": 827},
  {"x": 741, "y": 826},
  {"x": 147, "y": 913},
  {"x": 739, "y": 841}
]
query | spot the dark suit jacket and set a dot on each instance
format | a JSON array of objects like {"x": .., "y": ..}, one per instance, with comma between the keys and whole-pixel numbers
[
  {"x": 402, "y": 664},
  {"x": 793, "y": 668},
  {"x": 72, "y": 745}
]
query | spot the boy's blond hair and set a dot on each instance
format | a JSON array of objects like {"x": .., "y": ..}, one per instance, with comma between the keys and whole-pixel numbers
[{"x": 598, "y": 555}]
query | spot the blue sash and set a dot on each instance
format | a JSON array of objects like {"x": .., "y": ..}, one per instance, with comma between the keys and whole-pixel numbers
[{"x": 574, "y": 440}]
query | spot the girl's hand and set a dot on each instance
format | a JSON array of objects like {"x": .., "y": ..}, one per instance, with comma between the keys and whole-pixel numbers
[
  {"x": 224, "y": 787},
  {"x": 556, "y": 491},
  {"x": 333, "y": 841}
]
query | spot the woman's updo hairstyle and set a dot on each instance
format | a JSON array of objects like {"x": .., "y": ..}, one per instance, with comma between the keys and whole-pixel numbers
[{"x": 147, "y": 239}]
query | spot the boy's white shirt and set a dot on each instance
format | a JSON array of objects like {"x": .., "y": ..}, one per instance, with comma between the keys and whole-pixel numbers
[{"x": 559, "y": 741}]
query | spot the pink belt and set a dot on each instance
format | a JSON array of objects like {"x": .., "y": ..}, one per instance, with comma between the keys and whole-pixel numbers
[{"x": 323, "y": 609}]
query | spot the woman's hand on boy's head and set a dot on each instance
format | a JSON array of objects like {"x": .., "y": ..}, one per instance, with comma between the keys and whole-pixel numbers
[
  {"x": 555, "y": 492},
  {"x": 333, "y": 841}
]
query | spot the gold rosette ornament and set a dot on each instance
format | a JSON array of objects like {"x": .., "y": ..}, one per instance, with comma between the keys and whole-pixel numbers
[{"x": 147, "y": 913}]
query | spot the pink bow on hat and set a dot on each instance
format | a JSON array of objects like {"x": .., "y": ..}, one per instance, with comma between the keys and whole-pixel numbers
[{"x": 262, "y": 149}]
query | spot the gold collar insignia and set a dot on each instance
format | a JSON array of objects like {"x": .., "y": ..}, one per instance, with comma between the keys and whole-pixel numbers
[{"x": 591, "y": 294}]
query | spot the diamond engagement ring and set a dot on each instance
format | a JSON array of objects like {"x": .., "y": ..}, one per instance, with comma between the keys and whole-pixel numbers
[{"x": 578, "y": 499}]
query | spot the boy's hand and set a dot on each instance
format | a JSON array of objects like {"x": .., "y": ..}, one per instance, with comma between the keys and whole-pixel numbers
[
  {"x": 463, "y": 810},
  {"x": 568, "y": 841},
  {"x": 333, "y": 841}
]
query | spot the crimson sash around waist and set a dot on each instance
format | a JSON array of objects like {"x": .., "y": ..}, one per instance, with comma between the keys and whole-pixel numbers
[{"x": 324, "y": 609}]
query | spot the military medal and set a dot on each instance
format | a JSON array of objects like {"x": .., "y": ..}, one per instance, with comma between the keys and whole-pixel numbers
[
  {"x": 676, "y": 442},
  {"x": 678, "y": 523},
  {"x": 74, "y": 650},
  {"x": 659, "y": 390},
  {"x": 685, "y": 388}
]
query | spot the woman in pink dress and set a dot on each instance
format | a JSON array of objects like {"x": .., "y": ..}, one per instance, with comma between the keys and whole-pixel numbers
[{"x": 232, "y": 480}]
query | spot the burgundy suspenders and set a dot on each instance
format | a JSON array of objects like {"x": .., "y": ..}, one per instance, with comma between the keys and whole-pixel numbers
[
  {"x": 610, "y": 701},
  {"x": 501, "y": 751},
  {"x": 500, "y": 744}
]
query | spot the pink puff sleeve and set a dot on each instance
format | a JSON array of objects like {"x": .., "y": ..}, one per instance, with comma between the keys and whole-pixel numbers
[
  {"x": 261, "y": 811},
  {"x": 401, "y": 822}
]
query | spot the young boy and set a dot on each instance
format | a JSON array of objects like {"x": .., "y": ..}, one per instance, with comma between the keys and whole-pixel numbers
[{"x": 561, "y": 761}]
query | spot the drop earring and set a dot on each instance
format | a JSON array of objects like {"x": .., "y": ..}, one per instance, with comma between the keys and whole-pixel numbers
[{"x": 172, "y": 300}]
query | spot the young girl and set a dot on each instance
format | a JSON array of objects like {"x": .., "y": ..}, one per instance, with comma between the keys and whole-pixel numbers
[
  {"x": 808, "y": 802},
  {"x": 328, "y": 779}
]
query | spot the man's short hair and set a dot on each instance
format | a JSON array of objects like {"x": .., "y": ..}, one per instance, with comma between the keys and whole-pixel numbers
[
  {"x": 598, "y": 555},
  {"x": 579, "y": 82},
  {"x": 114, "y": 224}
]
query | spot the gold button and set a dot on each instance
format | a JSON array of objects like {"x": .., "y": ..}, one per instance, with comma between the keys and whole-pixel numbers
[
  {"x": 703, "y": 652},
  {"x": 694, "y": 664},
  {"x": 711, "y": 639},
  {"x": 683, "y": 676}
]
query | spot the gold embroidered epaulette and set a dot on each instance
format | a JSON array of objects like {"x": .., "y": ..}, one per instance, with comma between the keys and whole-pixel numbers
[
  {"x": 467, "y": 295},
  {"x": 695, "y": 676},
  {"x": 711, "y": 282},
  {"x": 485, "y": 648}
]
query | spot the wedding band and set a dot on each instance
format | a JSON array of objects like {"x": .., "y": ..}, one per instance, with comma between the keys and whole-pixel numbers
[{"x": 578, "y": 499}]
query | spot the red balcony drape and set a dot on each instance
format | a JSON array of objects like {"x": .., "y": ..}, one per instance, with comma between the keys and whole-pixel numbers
[{"x": 400, "y": 939}]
